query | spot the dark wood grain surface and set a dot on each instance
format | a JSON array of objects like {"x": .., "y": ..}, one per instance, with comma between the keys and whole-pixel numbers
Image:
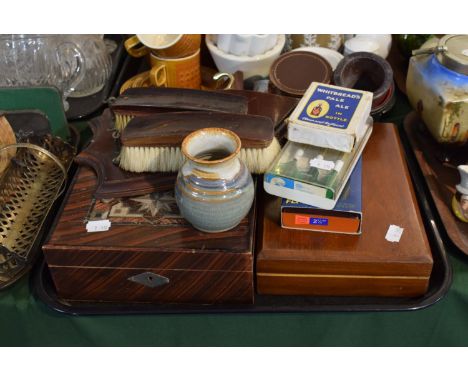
[
  {"x": 150, "y": 100},
  {"x": 302, "y": 262},
  {"x": 170, "y": 129},
  {"x": 192, "y": 287},
  {"x": 441, "y": 178},
  {"x": 70, "y": 229}
]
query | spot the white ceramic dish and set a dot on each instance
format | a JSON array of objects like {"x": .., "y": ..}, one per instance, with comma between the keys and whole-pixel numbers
[
  {"x": 332, "y": 56},
  {"x": 360, "y": 44},
  {"x": 246, "y": 44},
  {"x": 258, "y": 65},
  {"x": 379, "y": 44},
  {"x": 383, "y": 40}
]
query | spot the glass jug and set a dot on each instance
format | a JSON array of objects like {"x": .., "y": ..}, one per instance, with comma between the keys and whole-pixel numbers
[
  {"x": 98, "y": 63},
  {"x": 41, "y": 60}
]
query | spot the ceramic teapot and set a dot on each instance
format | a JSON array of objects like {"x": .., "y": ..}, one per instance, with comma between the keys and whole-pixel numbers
[{"x": 437, "y": 87}]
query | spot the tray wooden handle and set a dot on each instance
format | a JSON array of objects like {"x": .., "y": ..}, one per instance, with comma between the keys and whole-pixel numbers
[{"x": 114, "y": 182}]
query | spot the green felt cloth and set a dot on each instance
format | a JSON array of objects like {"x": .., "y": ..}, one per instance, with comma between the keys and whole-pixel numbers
[
  {"x": 47, "y": 100},
  {"x": 25, "y": 321}
]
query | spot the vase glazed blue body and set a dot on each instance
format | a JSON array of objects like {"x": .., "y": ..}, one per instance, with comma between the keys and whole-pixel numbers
[{"x": 214, "y": 190}]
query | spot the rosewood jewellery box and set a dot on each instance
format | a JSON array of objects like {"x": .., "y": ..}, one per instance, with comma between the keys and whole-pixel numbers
[{"x": 149, "y": 254}]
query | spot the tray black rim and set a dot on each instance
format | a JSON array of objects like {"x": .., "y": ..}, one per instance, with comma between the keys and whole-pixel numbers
[
  {"x": 432, "y": 202},
  {"x": 440, "y": 281}
]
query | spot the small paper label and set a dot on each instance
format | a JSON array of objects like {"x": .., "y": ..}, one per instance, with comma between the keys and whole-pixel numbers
[
  {"x": 394, "y": 233},
  {"x": 98, "y": 225},
  {"x": 299, "y": 219},
  {"x": 318, "y": 221},
  {"x": 322, "y": 164}
]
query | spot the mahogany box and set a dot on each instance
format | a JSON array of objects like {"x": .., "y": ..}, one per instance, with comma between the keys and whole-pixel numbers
[
  {"x": 149, "y": 254},
  {"x": 296, "y": 262}
]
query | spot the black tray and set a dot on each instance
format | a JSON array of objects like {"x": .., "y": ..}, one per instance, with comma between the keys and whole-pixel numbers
[
  {"x": 82, "y": 108},
  {"x": 439, "y": 178},
  {"x": 439, "y": 283}
]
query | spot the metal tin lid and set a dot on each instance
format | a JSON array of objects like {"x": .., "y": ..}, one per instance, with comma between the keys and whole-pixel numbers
[{"x": 455, "y": 54}]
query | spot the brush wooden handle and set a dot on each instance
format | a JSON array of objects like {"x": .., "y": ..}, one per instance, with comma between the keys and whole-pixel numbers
[
  {"x": 170, "y": 129},
  {"x": 114, "y": 182},
  {"x": 140, "y": 101},
  {"x": 276, "y": 107}
]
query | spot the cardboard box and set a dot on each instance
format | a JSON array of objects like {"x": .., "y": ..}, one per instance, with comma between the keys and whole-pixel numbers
[
  {"x": 346, "y": 217},
  {"x": 331, "y": 117},
  {"x": 312, "y": 175}
]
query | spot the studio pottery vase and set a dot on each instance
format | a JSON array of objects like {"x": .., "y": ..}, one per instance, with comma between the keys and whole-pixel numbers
[{"x": 214, "y": 189}]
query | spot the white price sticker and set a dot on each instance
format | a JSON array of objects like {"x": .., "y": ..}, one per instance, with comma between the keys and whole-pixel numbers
[
  {"x": 98, "y": 225},
  {"x": 394, "y": 233},
  {"x": 322, "y": 164}
]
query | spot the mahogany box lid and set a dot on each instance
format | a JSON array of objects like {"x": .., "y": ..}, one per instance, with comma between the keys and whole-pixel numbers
[
  {"x": 388, "y": 199},
  {"x": 146, "y": 232}
]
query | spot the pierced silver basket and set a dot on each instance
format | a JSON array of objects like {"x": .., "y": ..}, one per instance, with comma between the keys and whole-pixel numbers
[{"x": 35, "y": 178}]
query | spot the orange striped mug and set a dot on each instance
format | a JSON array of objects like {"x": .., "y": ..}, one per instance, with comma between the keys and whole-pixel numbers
[{"x": 176, "y": 72}]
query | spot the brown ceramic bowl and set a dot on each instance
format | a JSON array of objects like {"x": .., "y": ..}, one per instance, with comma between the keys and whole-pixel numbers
[
  {"x": 387, "y": 103},
  {"x": 292, "y": 73},
  {"x": 366, "y": 71}
]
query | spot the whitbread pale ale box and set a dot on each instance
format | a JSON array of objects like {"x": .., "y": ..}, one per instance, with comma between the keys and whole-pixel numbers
[{"x": 330, "y": 117}]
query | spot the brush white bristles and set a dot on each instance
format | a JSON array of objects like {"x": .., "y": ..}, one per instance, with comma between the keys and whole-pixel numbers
[
  {"x": 258, "y": 160},
  {"x": 170, "y": 159},
  {"x": 151, "y": 159},
  {"x": 122, "y": 120}
]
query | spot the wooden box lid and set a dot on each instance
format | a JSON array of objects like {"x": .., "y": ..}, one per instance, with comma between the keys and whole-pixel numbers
[
  {"x": 286, "y": 256},
  {"x": 140, "y": 237}
]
